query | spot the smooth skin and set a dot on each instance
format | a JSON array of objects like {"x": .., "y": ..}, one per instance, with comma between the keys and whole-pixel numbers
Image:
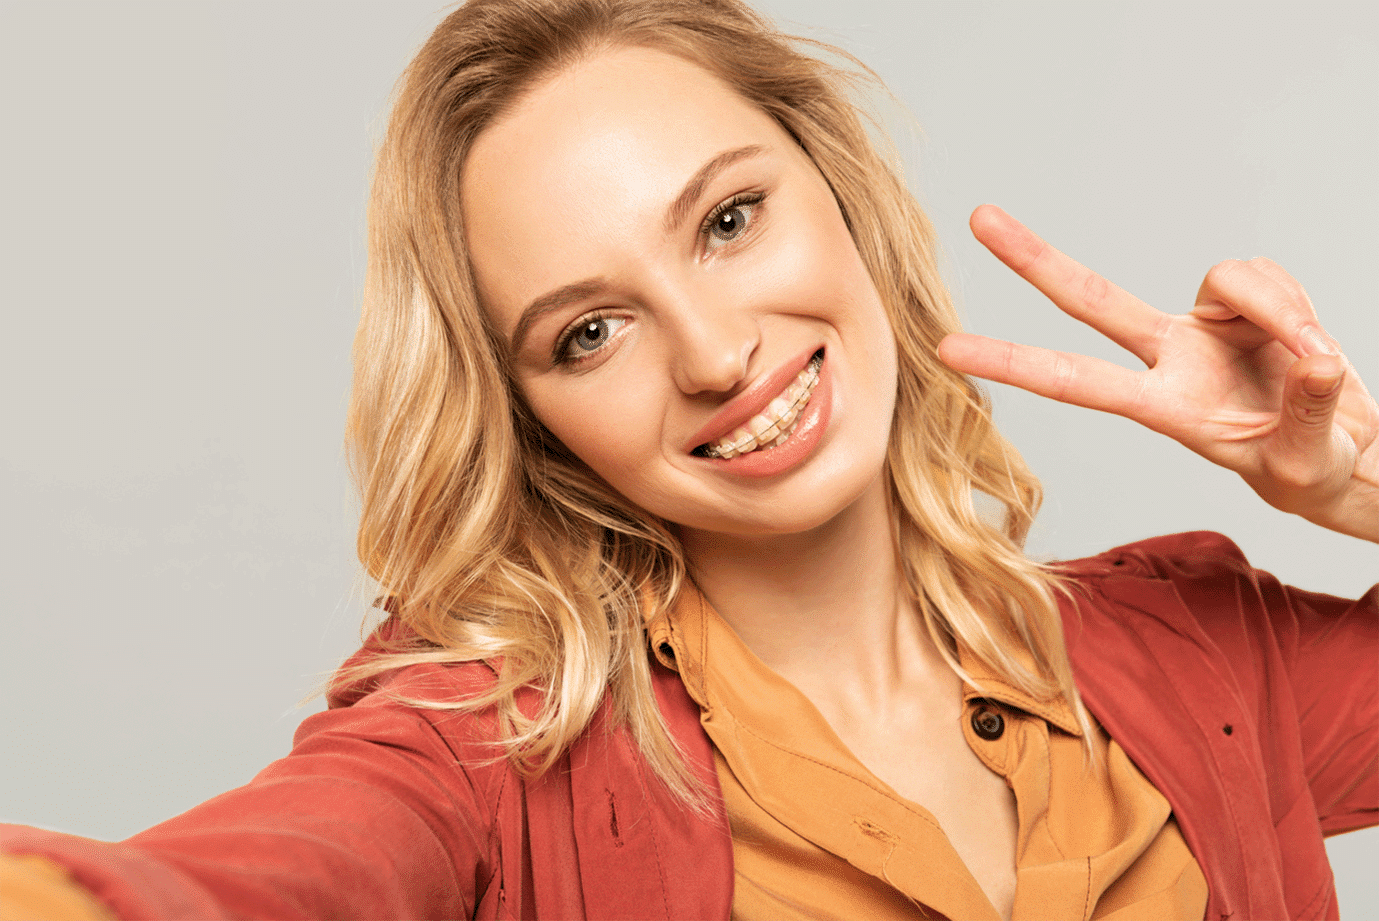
[
  {"x": 577, "y": 183},
  {"x": 584, "y": 172}
]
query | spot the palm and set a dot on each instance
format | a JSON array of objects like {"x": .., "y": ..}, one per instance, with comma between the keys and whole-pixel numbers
[{"x": 1230, "y": 380}]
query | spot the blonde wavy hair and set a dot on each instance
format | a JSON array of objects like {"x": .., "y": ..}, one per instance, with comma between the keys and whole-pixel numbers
[{"x": 493, "y": 542}]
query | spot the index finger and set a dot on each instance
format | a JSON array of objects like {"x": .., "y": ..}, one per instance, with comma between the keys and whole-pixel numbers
[{"x": 1077, "y": 290}]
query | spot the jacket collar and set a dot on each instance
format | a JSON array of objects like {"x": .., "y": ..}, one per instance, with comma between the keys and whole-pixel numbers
[{"x": 678, "y": 639}]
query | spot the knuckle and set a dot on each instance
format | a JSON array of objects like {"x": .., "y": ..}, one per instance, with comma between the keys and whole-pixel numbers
[
  {"x": 1241, "y": 287},
  {"x": 1062, "y": 378},
  {"x": 1223, "y": 274},
  {"x": 1094, "y": 289},
  {"x": 1312, "y": 411},
  {"x": 1030, "y": 254},
  {"x": 1007, "y": 359},
  {"x": 1225, "y": 270}
]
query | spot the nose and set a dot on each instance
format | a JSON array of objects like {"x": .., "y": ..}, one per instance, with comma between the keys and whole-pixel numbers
[{"x": 713, "y": 340}]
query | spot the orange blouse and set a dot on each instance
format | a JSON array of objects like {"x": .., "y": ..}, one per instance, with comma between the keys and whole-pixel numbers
[{"x": 817, "y": 835}]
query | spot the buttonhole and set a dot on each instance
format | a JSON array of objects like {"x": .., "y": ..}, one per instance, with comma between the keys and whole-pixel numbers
[
  {"x": 613, "y": 819},
  {"x": 872, "y": 830}
]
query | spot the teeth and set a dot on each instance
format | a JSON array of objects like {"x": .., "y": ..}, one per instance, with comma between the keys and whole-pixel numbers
[
  {"x": 772, "y": 426},
  {"x": 759, "y": 424},
  {"x": 744, "y": 439}
]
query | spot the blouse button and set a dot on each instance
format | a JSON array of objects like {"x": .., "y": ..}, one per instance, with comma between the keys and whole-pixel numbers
[{"x": 988, "y": 723}]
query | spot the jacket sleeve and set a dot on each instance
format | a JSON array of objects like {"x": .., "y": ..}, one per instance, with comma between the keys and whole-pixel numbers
[
  {"x": 376, "y": 813},
  {"x": 1326, "y": 650},
  {"x": 1331, "y": 649}
]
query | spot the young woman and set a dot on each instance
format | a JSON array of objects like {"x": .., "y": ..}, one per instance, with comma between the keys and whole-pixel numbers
[{"x": 669, "y": 463}]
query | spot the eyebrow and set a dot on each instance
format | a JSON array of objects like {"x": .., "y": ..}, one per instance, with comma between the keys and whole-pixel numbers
[
  {"x": 675, "y": 216},
  {"x": 553, "y": 300},
  {"x": 679, "y": 209}
]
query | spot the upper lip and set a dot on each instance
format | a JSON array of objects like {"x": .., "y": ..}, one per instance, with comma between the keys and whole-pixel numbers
[{"x": 753, "y": 400}]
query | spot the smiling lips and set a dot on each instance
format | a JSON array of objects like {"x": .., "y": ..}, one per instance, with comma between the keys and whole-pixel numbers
[{"x": 772, "y": 426}]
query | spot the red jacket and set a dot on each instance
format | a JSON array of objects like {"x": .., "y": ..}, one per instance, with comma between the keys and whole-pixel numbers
[{"x": 1251, "y": 706}]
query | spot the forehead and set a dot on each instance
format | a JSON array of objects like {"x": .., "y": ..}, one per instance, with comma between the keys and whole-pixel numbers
[{"x": 584, "y": 166}]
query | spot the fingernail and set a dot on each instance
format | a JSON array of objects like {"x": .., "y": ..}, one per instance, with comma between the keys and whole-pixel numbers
[
  {"x": 1316, "y": 342},
  {"x": 1322, "y": 385}
]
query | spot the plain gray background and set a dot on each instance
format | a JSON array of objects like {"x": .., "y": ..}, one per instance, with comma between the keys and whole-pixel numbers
[{"x": 183, "y": 254}]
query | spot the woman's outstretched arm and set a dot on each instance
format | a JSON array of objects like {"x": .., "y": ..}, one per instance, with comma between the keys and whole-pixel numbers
[
  {"x": 377, "y": 812},
  {"x": 1248, "y": 378}
]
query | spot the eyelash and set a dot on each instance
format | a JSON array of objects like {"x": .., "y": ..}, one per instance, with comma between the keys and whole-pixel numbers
[
  {"x": 560, "y": 354},
  {"x": 737, "y": 201}
]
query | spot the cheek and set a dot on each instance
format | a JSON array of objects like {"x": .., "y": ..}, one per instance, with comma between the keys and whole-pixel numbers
[
  {"x": 813, "y": 256},
  {"x": 822, "y": 258},
  {"x": 612, "y": 429}
]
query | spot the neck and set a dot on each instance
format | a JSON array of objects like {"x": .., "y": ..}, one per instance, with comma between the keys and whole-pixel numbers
[{"x": 824, "y": 608}]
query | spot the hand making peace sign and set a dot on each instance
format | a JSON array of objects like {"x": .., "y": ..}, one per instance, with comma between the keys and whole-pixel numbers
[{"x": 1248, "y": 378}]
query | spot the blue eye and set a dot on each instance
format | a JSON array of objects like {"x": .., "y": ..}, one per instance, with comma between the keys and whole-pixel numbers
[{"x": 587, "y": 336}]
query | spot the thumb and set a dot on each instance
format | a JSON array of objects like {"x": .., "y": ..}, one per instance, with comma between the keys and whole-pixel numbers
[{"x": 1310, "y": 394}]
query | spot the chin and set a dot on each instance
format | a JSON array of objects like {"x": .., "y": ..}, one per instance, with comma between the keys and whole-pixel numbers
[{"x": 833, "y": 498}]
